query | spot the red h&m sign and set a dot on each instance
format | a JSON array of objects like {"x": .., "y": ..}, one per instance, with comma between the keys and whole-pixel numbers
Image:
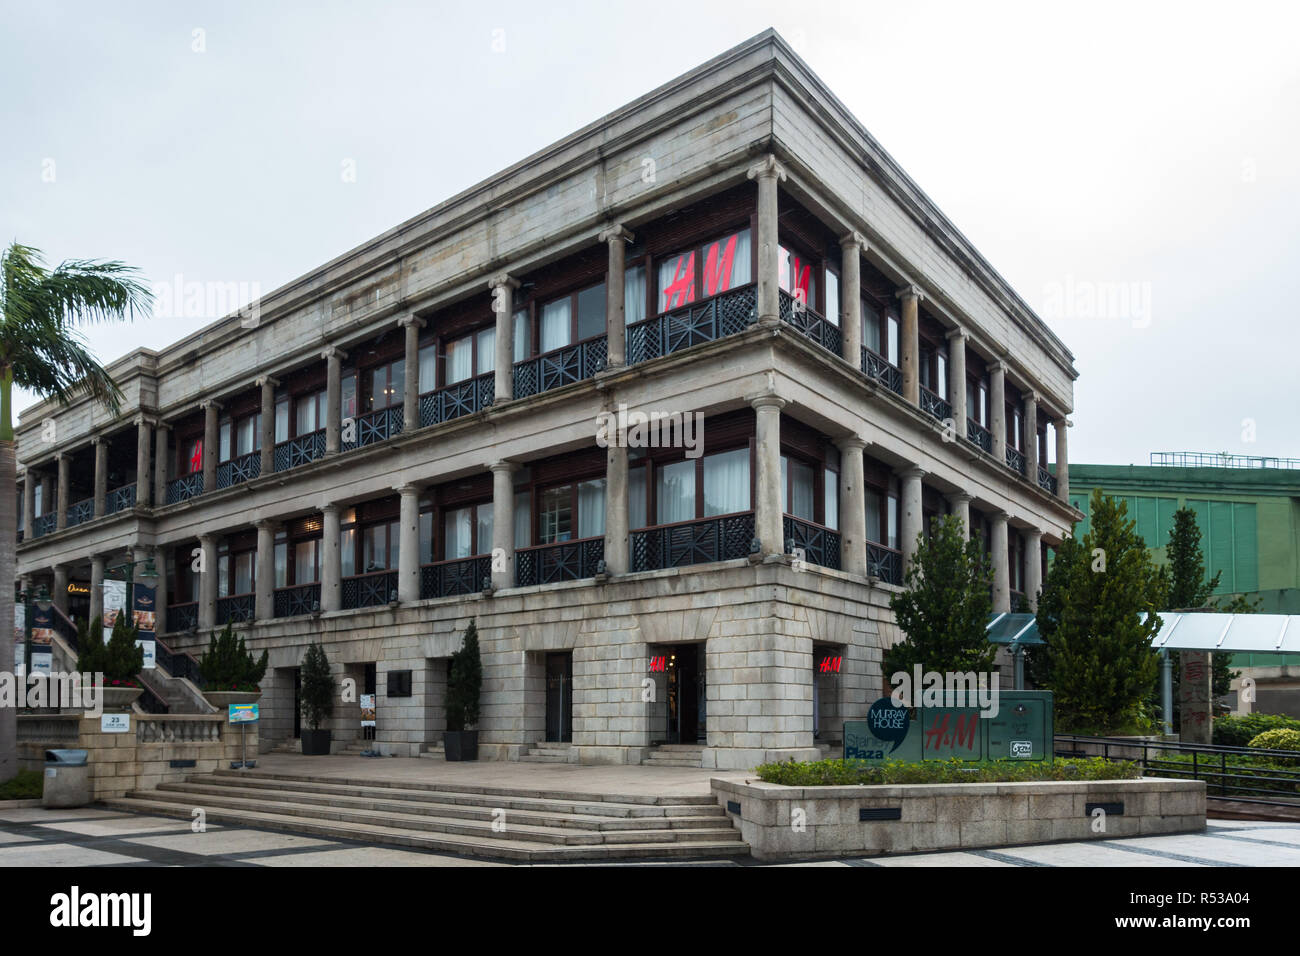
[
  {"x": 659, "y": 663},
  {"x": 830, "y": 665}
]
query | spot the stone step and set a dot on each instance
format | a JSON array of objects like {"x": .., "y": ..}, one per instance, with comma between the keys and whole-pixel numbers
[{"x": 502, "y": 846}]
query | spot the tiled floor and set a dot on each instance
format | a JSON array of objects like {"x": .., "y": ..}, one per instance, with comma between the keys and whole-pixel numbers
[{"x": 37, "y": 837}]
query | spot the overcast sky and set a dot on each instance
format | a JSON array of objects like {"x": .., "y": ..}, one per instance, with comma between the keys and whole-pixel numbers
[{"x": 1145, "y": 152}]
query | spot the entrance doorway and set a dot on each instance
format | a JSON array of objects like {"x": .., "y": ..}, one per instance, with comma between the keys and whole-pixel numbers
[
  {"x": 686, "y": 694},
  {"x": 297, "y": 702},
  {"x": 559, "y": 698}
]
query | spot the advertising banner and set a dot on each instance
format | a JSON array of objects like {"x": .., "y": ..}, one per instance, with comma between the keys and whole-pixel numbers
[
  {"x": 1020, "y": 730},
  {"x": 114, "y": 604},
  {"x": 145, "y": 618}
]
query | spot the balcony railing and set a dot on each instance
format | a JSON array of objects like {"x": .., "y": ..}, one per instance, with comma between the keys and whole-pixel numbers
[
  {"x": 885, "y": 564},
  {"x": 235, "y": 609},
  {"x": 379, "y": 425},
  {"x": 81, "y": 512},
  {"x": 120, "y": 499},
  {"x": 185, "y": 487},
  {"x": 369, "y": 590},
  {"x": 814, "y": 543},
  {"x": 877, "y": 367},
  {"x": 1046, "y": 480},
  {"x": 459, "y": 576},
  {"x": 182, "y": 617},
  {"x": 297, "y": 600},
  {"x": 564, "y": 366},
  {"x": 174, "y": 663},
  {"x": 1015, "y": 459},
  {"x": 462, "y": 398},
  {"x": 45, "y": 524},
  {"x": 693, "y": 542},
  {"x": 300, "y": 451},
  {"x": 566, "y": 561},
  {"x": 979, "y": 436},
  {"x": 810, "y": 324},
  {"x": 935, "y": 406},
  {"x": 238, "y": 470},
  {"x": 721, "y": 315}
]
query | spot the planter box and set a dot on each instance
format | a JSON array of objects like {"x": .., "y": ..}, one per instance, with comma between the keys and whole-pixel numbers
[
  {"x": 460, "y": 744},
  {"x": 121, "y": 698},
  {"x": 315, "y": 743},
  {"x": 801, "y": 822}
]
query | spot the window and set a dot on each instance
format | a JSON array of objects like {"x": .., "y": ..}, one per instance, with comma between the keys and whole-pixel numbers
[
  {"x": 386, "y": 385},
  {"x": 574, "y": 318},
  {"x": 591, "y": 312},
  {"x": 191, "y": 456},
  {"x": 871, "y": 328},
  {"x": 1013, "y": 428},
  {"x": 636, "y": 497},
  {"x": 676, "y": 281},
  {"x": 309, "y": 413},
  {"x": 485, "y": 345},
  {"x": 306, "y": 561},
  {"x": 523, "y": 519},
  {"x": 891, "y": 324},
  {"x": 349, "y": 404},
  {"x": 796, "y": 276},
  {"x": 675, "y": 492},
  {"x": 426, "y": 537},
  {"x": 523, "y": 336},
  {"x": 832, "y": 298},
  {"x": 282, "y": 419},
  {"x": 726, "y": 263},
  {"x": 571, "y": 512},
  {"x": 797, "y": 488},
  {"x": 460, "y": 360},
  {"x": 379, "y": 547},
  {"x": 726, "y": 482},
  {"x": 634, "y": 294},
  {"x": 941, "y": 374},
  {"x": 428, "y": 371},
  {"x": 875, "y": 503},
  {"x": 556, "y": 323},
  {"x": 722, "y": 264},
  {"x": 467, "y": 531},
  {"x": 832, "y": 498},
  {"x": 241, "y": 437}
]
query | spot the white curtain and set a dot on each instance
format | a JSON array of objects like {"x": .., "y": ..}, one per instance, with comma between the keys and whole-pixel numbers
[
  {"x": 634, "y": 295},
  {"x": 348, "y": 551},
  {"x": 591, "y": 508},
  {"x": 487, "y": 351},
  {"x": 873, "y": 516},
  {"x": 726, "y": 263},
  {"x": 801, "y": 477},
  {"x": 675, "y": 494},
  {"x": 428, "y": 368},
  {"x": 636, "y": 515},
  {"x": 523, "y": 347},
  {"x": 726, "y": 482},
  {"x": 460, "y": 358},
  {"x": 870, "y": 328},
  {"x": 484, "y": 529},
  {"x": 555, "y": 325},
  {"x": 832, "y": 500},
  {"x": 523, "y": 520},
  {"x": 676, "y": 281},
  {"x": 832, "y": 298},
  {"x": 456, "y": 534}
]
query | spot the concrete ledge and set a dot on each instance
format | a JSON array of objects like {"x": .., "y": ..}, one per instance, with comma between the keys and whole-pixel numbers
[{"x": 781, "y": 822}]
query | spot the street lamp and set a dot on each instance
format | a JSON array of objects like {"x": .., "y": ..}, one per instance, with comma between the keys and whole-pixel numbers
[{"x": 149, "y": 574}]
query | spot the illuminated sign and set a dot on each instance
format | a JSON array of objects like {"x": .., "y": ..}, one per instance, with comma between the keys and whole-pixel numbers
[
  {"x": 658, "y": 664},
  {"x": 78, "y": 589},
  {"x": 830, "y": 665}
]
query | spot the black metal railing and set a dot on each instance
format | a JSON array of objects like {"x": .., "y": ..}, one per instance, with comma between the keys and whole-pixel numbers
[
  {"x": 81, "y": 512},
  {"x": 979, "y": 436},
  {"x": 934, "y": 406},
  {"x": 724, "y": 314},
  {"x": 183, "y": 617},
  {"x": 809, "y": 323},
  {"x": 693, "y": 542},
  {"x": 812, "y": 542},
  {"x": 462, "y": 398},
  {"x": 296, "y": 600},
  {"x": 884, "y": 563},
  {"x": 235, "y": 609},
  {"x": 120, "y": 499},
  {"x": 1015, "y": 459},
  {"x": 178, "y": 664},
  {"x": 573, "y": 363},
  {"x": 1046, "y": 480},
  {"x": 239, "y": 470},
  {"x": 64, "y": 627},
  {"x": 185, "y": 487},
  {"x": 300, "y": 451},
  {"x": 379, "y": 425},
  {"x": 459, "y": 576},
  {"x": 45, "y": 524},
  {"x": 566, "y": 561},
  {"x": 369, "y": 590},
  {"x": 877, "y": 367}
]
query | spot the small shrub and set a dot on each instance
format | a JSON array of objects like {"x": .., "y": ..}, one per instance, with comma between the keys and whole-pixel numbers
[
  {"x": 1280, "y": 739},
  {"x": 317, "y": 691},
  {"x": 841, "y": 773},
  {"x": 120, "y": 661},
  {"x": 28, "y": 785},
  {"x": 1240, "y": 731},
  {"x": 227, "y": 664},
  {"x": 464, "y": 682}
]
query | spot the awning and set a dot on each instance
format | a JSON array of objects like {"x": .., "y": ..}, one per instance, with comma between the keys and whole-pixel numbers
[
  {"x": 1017, "y": 629},
  {"x": 1258, "y": 633}
]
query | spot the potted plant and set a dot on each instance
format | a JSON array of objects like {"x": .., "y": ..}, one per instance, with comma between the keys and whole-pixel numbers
[
  {"x": 118, "y": 660},
  {"x": 317, "y": 700},
  {"x": 464, "y": 682},
  {"x": 230, "y": 674}
]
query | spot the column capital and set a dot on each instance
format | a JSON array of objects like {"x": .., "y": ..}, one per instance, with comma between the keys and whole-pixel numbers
[
  {"x": 210, "y": 403},
  {"x": 957, "y": 332},
  {"x": 1033, "y": 532},
  {"x": 910, "y": 290},
  {"x": 1000, "y": 517},
  {"x": 208, "y": 539},
  {"x": 1062, "y": 422},
  {"x": 271, "y": 524},
  {"x": 265, "y": 380},
  {"x": 331, "y": 508},
  {"x": 410, "y": 488},
  {"x": 61, "y": 456},
  {"x": 853, "y": 238},
  {"x": 509, "y": 467},
  {"x": 769, "y": 167},
  {"x": 766, "y": 401},
  {"x": 912, "y": 472},
  {"x": 145, "y": 420},
  {"x": 411, "y": 319},
  {"x": 334, "y": 352},
  {"x": 615, "y": 231},
  {"x": 999, "y": 365},
  {"x": 98, "y": 440},
  {"x": 960, "y": 496},
  {"x": 849, "y": 443},
  {"x": 502, "y": 279},
  {"x": 1033, "y": 395}
]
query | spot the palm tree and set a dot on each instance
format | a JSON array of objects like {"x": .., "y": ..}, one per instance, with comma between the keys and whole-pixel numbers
[{"x": 42, "y": 350}]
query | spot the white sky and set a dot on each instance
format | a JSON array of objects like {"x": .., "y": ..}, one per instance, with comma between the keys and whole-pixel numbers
[{"x": 1150, "y": 148}]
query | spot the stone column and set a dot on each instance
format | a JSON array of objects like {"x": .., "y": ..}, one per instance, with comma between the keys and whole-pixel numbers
[
  {"x": 101, "y": 474},
  {"x": 61, "y": 500},
  {"x": 851, "y": 248},
  {"x": 268, "y": 386},
  {"x": 1031, "y": 436},
  {"x": 503, "y": 524},
  {"x": 30, "y": 478},
  {"x": 503, "y": 306},
  {"x": 961, "y": 509},
  {"x": 333, "y": 400},
  {"x": 617, "y": 532},
  {"x": 616, "y": 238},
  {"x": 96, "y": 586},
  {"x": 910, "y": 517},
  {"x": 909, "y": 349},
  {"x": 957, "y": 378},
  {"x": 411, "y": 326},
  {"x": 60, "y": 595},
  {"x": 768, "y": 526},
  {"x": 1001, "y": 570},
  {"x": 160, "y": 590},
  {"x": 1062, "y": 426},
  {"x": 769, "y": 172},
  {"x": 998, "y": 409},
  {"x": 211, "y": 445},
  {"x": 162, "y": 455},
  {"x": 208, "y": 582},
  {"x": 264, "y": 601},
  {"x": 853, "y": 505},
  {"x": 142, "y": 475},
  {"x": 1033, "y": 566},
  {"x": 408, "y": 545},
  {"x": 331, "y": 561}
]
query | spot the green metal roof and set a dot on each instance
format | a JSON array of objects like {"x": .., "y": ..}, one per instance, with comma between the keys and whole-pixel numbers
[{"x": 1016, "y": 629}]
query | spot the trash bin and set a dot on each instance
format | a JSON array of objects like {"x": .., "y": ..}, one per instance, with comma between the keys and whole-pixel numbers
[{"x": 67, "y": 779}]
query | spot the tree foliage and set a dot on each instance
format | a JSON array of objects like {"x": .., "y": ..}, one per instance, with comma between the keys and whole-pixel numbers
[
  {"x": 316, "y": 694},
  {"x": 119, "y": 660},
  {"x": 228, "y": 665},
  {"x": 464, "y": 683}
]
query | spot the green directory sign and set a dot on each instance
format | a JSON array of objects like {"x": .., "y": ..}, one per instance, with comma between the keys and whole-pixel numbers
[{"x": 1021, "y": 729}]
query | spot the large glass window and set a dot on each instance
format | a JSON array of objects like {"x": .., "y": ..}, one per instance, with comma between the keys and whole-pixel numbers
[
  {"x": 832, "y": 298},
  {"x": 871, "y": 328},
  {"x": 386, "y": 386},
  {"x": 675, "y": 492},
  {"x": 832, "y": 493},
  {"x": 428, "y": 359},
  {"x": 485, "y": 342},
  {"x": 523, "y": 336},
  {"x": 245, "y": 572},
  {"x": 248, "y": 434},
  {"x": 192, "y": 456},
  {"x": 591, "y": 312},
  {"x": 797, "y": 494},
  {"x": 379, "y": 547},
  {"x": 634, "y": 294},
  {"x": 460, "y": 359},
  {"x": 875, "y": 503},
  {"x": 891, "y": 325},
  {"x": 555, "y": 515},
  {"x": 523, "y": 520},
  {"x": 636, "y": 497},
  {"x": 282, "y": 420},
  {"x": 591, "y": 508},
  {"x": 467, "y": 531},
  {"x": 726, "y": 482},
  {"x": 726, "y": 263},
  {"x": 556, "y": 322},
  {"x": 310, "y": 413},
  {"x": 676, "y": 281},
  {"x": 306, "y": 566},
  {"x": 797, "y": 276}
]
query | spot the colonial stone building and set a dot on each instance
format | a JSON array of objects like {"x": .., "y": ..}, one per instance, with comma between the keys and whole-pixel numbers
[{"x": 411, "y": 437}]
